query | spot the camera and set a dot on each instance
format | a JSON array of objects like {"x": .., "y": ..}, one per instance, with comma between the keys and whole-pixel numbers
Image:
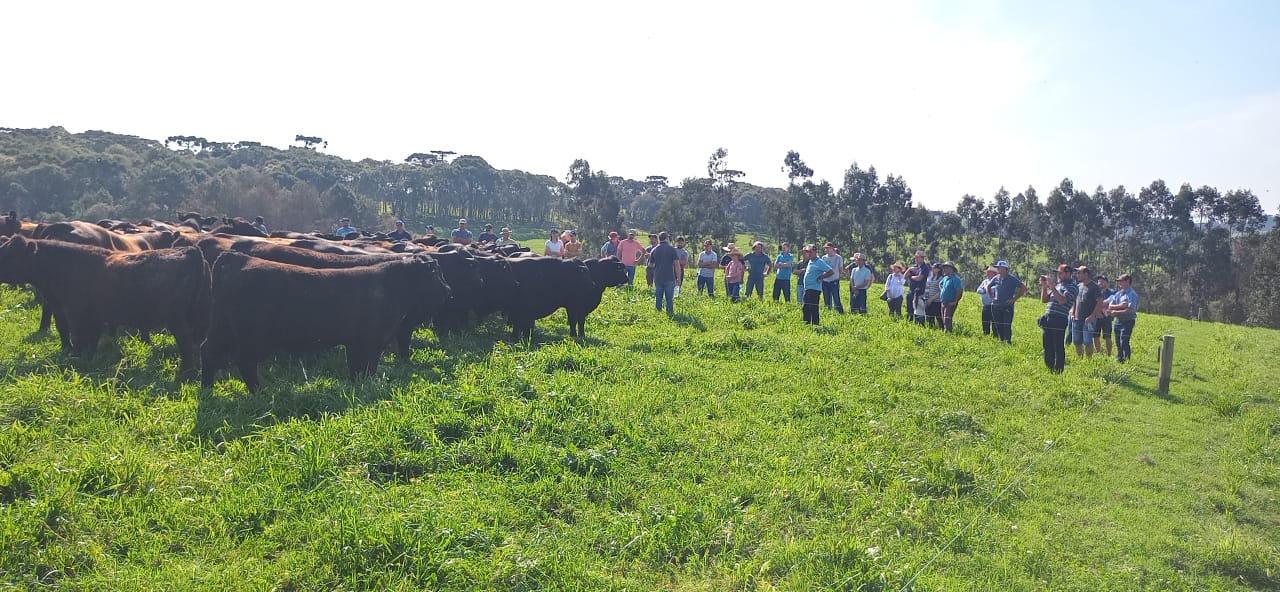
[{"x": 1044, "y": 278}]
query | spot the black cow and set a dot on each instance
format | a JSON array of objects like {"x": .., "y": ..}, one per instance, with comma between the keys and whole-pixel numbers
[
  {"x": 238, "y": 226},
  {"x": 545, "y": 285},
  {"x": 91, "y": 289},
  {"x": 607, "y": 272},
  {"x": 262, "y": 307}
]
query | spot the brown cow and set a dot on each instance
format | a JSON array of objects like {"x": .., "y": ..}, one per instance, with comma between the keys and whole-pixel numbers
[
  {"x": 262, "y": 307},
  {"x": 85, "y": 233},
  {"x": 91, "y": 289}
]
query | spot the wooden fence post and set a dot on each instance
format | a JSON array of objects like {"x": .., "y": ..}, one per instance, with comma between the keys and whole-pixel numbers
[{"x": 1166, "y": 364}]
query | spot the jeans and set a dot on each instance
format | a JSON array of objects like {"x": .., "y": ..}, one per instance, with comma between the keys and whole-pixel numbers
[
  {"x": 1002, "y": 321},
  {"x": 631, "y": 274},
  {"x": 661, "y": 290},
  {"x": 1055, "y": 342},
  {"x": 709, "y": 282},
  {"x": 895, "y": 307},
  {"x": 831, "y": 294},
  {"x": 1102, "y": 328},
  {"x": 1124, "y": 330},
  {"x": 734, "y": 290},
  {"x": 949, "y": 313},
  {"x": 986, "y": 319},
  {"x": 1082, "y": 332},
  {"x": 781, "y": 287},
  {"x": 857, "y": 301},
  {"x": 810, "y": 304},
  {"x": 755, "y": 283}
]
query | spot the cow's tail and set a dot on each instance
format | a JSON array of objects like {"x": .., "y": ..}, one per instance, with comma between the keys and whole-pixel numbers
[{"x": 200, "y": 315}]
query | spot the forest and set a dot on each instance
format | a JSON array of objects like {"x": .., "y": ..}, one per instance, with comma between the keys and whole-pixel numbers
[{"x": 1194, "y": 251}]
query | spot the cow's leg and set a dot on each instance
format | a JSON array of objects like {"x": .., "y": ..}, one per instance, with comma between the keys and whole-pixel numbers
[
  {"x": 404, "y": 336},
  {"x": 84, "y": 339},
  {"x": 213, "y": 356},
  {"x": 187, "y": 348},
  {"x": 46, "y": 318},
  {"x": 247, "y": 362}
]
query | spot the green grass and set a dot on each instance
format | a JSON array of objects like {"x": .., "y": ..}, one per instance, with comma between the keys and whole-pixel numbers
[{"x": 727, "y": 448}]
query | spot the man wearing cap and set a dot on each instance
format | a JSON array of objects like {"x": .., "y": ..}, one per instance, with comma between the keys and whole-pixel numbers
[
  {"x": 430, "y": 233},
  {"x": 260, "y": 224},
  {"x": 816, "y": 272},
  {"x": 708, "y": 263},
  {"x": 487, "y": 236},
  {"x": 758, "y": 265},
  {"x": 505, "y": 239},
  {"x": 1086, "y": 308},
  {"x": 1123, "y": 305},
  {"x": 917, "y": 278},
  {"x": 1005, "y": 290},
  {"x": 662, "y": 260},
  {"x": 460, "y": 234},
  {"x": 831, "y": 285},
  {"x": 1102, "y": 325},
  {"x": 399, "y": 234},
  {"x": 784, "y": 265},
  {"x": 984, "y": 291},
  {"x": 951, "y": 290},
  {"x": 860, "y": 278},
  {"x": 1053, "y": 324},
  {"x": 610, "y": 247},
  {"x": 629, "y": 252},
  {"x": 346, "y": 228}
]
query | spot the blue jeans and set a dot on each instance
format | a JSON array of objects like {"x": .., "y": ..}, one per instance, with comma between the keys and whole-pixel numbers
[
  {"x": 858, "y": 301},
  {"x": 831, "y": 294},
  {"x": 709, "y": 282},
  {"x": 631, "y": 274},
  {"x": 734, "y": 289},
  {"x": 1124, "y": 330},
  {"x": 1002, "y": 321},
  {"x": 667, "y": 290},
  {"x": 756, "y": 283},
  {"x": 1082, "y": 332}
]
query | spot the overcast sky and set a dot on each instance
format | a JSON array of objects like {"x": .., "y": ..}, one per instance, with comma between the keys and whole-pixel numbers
[{"x": 958, "y": 97}]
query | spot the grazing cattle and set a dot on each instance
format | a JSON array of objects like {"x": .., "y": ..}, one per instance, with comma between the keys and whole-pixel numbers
[
  {"x": 91, "y": 289},
  {"x": 202, "y": 222},
  {"x": 238, "y": 226},
  {"x": 10, "y": 224},
  {"x": 546, "y": 284},
  {"x": 262, "y": 307},
  {"x": 606, "y": 272}
]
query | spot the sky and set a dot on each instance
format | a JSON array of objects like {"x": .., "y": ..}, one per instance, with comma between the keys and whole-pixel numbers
[{"x": 955, "y": 96}]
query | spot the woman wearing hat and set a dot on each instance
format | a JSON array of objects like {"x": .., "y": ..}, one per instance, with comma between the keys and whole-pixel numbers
[
  {"x": 951, "y": 289},
  {"x": 894, "y": 286},
  {"x": 733, "y": 273}
]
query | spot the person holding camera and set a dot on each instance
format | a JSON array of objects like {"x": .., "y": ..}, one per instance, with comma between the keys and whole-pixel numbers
[{"x": 1059, "y": 296}]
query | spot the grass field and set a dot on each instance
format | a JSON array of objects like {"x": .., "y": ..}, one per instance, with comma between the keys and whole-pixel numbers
[{"x": 728, "y": 448}]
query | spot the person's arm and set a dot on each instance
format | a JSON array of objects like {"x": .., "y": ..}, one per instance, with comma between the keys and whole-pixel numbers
[{"x": 1019, "y": 293}]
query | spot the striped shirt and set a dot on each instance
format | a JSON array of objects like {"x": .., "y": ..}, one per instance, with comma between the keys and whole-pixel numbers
[{"x": 1068, "y": 289}]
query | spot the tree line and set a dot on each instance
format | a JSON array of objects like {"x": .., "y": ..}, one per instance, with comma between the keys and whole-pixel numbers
[{"x": 1195, "y": 252}]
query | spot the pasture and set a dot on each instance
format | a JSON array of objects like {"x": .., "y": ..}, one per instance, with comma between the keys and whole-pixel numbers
[{"x": 728, "y": 448}]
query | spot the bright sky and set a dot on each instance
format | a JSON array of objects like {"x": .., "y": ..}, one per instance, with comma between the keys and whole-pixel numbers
[{"x": 956, "y": 96}]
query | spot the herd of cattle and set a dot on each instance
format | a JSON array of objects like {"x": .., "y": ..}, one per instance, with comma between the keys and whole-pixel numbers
[{"x": 227, "y": 292}]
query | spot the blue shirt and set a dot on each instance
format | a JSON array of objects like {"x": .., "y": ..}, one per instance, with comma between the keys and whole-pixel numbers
[
  {"x": 951, "y": 287},
  {"x": 1126, "y": 296},
  {"x": 1002, "y": 290},
  {"x": 459, "y": 233},
  {"x": 784, "y": 273},
  {"x": 609, "y": 249},
  {"x": 487, "y": 237},
  {"x": 1068, "y": 289},
  {"x": 756, "y": 264},
  {"x": 859, "y": 275},
  {"x": 663, "y": 258},
  {"x": 344, "y": 231},
  {"x": 816, "y": 268}
]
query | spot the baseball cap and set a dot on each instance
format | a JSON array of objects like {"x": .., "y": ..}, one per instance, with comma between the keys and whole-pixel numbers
[
  {"x": 462, "y": 221},
  {"x": 399, "y": 222},
  {"x": 1063, "y": 267},
  {"x": 1002, "y": 263},
  {"x": 1084, "y": 268}
]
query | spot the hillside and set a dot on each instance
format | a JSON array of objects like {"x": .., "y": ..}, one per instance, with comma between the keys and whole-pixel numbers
[{"x": 730, "y": 447}]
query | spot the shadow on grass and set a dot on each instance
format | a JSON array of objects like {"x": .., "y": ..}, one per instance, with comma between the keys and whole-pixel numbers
[{"x": 686, "y": 320}]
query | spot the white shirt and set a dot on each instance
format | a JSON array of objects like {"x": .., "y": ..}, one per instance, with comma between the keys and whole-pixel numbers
[
  {"x": 555, "y": 248},
  {"x": 894, "y": 284}
]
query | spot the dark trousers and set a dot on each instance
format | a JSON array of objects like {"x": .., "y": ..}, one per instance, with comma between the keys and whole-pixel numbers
[
  {"x": 709, "y": 283},
  {"x": 1055, "y": 342},
  {"x": 948, "y": 315},
  {"x": 933, "y": 314},
  {"x": 755, "y": 283},
  {"x": 831, "y": 295},
  {"x": 783, "y": 288},
  {"x": 986, "y": 319},
  {"x": 1002, "y": 321},
  {"x": 895, "y": 307},
  {"x": 1124, "y": 331},
  {"x": 734, "y": 290},
  {"x": 811, "y": 301},
  {"x": 857, "y": 301}
]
